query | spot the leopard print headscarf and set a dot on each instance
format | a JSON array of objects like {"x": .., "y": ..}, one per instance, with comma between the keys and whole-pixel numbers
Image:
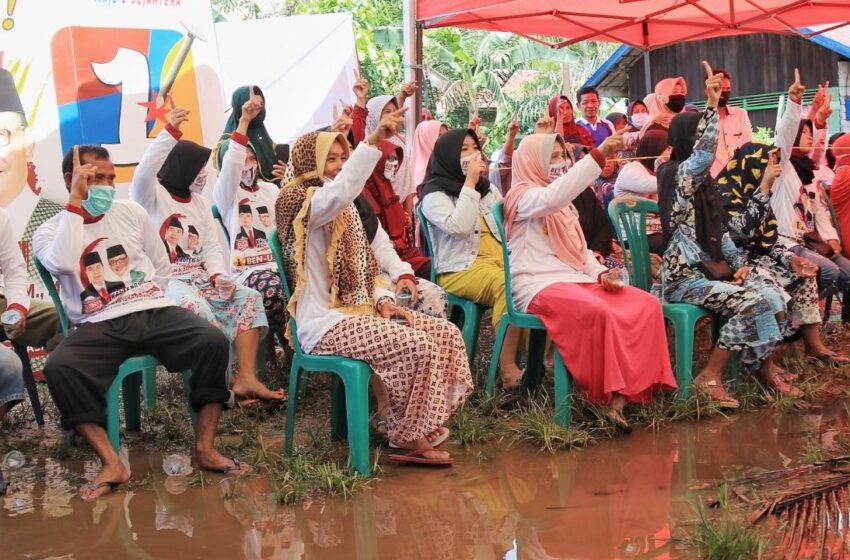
[{"x": 352, "y": 266}]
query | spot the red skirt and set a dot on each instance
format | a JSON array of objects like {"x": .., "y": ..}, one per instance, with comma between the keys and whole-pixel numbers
[{"x": 611, "y": 342}]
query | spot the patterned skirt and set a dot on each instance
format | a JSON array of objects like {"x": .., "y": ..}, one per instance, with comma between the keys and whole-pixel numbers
[{"x": 424, "y": 368}]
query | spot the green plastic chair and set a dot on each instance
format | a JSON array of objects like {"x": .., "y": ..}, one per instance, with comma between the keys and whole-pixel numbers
[
  {"x": 629, "y": 218},
  {"x": 261, "y": 349},
  {"x": 464, "y": 313},
  {"x": 134, "y": 372},
  {"x": 514, "y": 317},
  {"x": 349, "y": 396}
]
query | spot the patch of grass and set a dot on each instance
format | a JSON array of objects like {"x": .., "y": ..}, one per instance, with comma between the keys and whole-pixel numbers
[
  {"x": 535, "y": 424},
  {"x": 814, "y": 452},
  {"x": 477, "y": 420},
  {"x": 721, "y": 536},
  {"x": 297, "y": 478}
]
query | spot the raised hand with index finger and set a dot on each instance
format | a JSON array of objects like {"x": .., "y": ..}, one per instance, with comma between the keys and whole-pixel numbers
[
  {"x": 81, "y": 175},
  {"x": 797, "y": 89},
  {"x": 713, "y": 85}
]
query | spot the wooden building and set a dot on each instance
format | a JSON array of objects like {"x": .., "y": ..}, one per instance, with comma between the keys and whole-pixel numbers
[{"x": 761, "y": 66}]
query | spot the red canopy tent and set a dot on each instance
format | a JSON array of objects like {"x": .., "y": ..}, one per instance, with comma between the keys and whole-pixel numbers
[{"x": 645, "y": 24}]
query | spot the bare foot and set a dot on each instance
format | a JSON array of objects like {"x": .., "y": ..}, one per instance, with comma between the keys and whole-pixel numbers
[
  {"x": 212, "y": 460},
  {"x": 105, "y": 482},
  {"x": 251, "y": 388},
  {"x": 422, "y": 443},
  {"x": 511, "y": 376}
]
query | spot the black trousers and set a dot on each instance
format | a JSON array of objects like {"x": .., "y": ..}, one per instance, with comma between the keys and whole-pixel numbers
[{"x": 81, "y": 369}]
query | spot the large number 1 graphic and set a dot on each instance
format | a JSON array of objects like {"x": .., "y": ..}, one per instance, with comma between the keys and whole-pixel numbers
[{"x": 129, "y": 69}]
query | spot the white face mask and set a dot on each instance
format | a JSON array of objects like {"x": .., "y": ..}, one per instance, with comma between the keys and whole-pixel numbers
[
  {"x": 249, "y": 172},
  {"x": 466, "y": 161},
  {"x": 390, "y": 169},
  {"x": 558, "y": 169},
  {"x": 640, "y": 119},
  {"x": 325, "y": 179},
  {"x": 199, "y": 183}
]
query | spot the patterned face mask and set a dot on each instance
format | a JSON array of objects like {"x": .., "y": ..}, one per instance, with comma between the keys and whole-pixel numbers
[
  {"x": 390, "y": 169},
  {"x": 558, "y": 169},
  {"x": 249, "y": 173},
  {"x": 466, "y": 161}
]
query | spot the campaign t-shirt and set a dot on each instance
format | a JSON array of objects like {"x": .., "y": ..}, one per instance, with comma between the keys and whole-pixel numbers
[
  {"x": 107, "y": 267},
  {"x": 248, "y": 213},
  {"x": 185, "y": 225}
]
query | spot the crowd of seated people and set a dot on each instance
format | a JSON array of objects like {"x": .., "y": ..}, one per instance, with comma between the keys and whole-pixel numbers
[{"x": 742, "y": 230}]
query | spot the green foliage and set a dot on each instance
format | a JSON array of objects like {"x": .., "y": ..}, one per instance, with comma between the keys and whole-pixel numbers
[
  {"x": 763, "y": 135},
  {"x": 722, "y": 537}
]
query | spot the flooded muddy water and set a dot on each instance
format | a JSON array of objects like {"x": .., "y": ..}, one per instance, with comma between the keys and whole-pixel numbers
[{"x": 623, "y": 498}]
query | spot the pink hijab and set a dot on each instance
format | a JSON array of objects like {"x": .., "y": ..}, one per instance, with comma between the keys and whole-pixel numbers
[
  {"x": 424, "y": 138},
  {"x": 656, "y": 103},
  {"x": 531, "y": 171}
]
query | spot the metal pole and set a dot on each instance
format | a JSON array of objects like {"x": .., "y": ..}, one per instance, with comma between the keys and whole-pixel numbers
[
  {"x": 647, "y": 73},
  {"x": 412, "y": 61}
]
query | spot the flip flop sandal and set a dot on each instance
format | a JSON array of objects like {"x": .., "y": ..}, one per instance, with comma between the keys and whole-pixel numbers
[
  {"x": 517, "y": 382},
  {"x": 417, "y": 457},
  {"x": 237, "y": 467},
  {"x": 786, "y": 376},
  {"x": 92, "y": 487},
  {"x": 784, "y": 388},
  {"x": 707, "y": 390},
  {"x": 828, "y": 361},
  {"x": 440, "y": 436}
]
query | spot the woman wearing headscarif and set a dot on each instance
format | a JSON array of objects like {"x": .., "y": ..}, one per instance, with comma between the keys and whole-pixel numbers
[
  {"x": 341, "y": 307},
  {"x": 667, "y": 102},
  {"x": 458, "y": 204},
  {"x": 246, "y": 205},
  {"x": 168, "y": 183},
  {"x": 745, "y": 187},
  {"x": 562, "y": 111},
  {"x": 805, "y": 223},
  {"x": 377, "y": 108},
  {"x": 258, "y": 136},
  {"x": 701, "y": 265},
  {"x": 619, "y": 354}
]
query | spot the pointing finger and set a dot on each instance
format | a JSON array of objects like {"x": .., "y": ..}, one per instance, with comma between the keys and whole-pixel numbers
[
  {"x": 170, "y": 100},
  {"x": 797, "y": 77},
  {"x": 708, "y": 71},
  {"x": 335, "y": 113}
]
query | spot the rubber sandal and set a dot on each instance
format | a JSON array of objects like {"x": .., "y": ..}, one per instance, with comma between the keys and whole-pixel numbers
[
  {"x": 92, "y": 487},
  {"x": 784, "y": 388},
  {"x": 417, "y": 457},
  {"x": 516, "y": 382},
  {"x": 708, "y": 390},
  {"x": 237, "y": 467},
  {"x": 442, "y": 435},
  {"x": 828, "y": 360}
]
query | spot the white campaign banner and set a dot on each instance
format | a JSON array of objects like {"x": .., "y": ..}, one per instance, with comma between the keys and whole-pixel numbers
[
  {"x": 90, "y": 72},
  {"x": 304, "y": 65}
]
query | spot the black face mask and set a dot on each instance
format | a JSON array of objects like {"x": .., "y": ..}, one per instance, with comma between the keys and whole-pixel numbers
[
  {"x": 676, "y": 103},
  {"x": 724, "y": 98}
]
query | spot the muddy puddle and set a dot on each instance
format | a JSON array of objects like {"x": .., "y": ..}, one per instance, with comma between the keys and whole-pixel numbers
[{"x": 623, "y": 498}]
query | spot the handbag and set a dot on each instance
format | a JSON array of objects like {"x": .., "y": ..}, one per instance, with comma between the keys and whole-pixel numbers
[
  {"x": 719, "y": 271},
  {"x": 812, "y": 240}
]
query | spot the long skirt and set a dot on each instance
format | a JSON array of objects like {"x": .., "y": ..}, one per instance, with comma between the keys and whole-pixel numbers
[
  {"x": 424, "y": 368},
  {"x": 612, "y": 342},
  {"x": 749, "y": 313},
  {"x": 240, "y": 313}
]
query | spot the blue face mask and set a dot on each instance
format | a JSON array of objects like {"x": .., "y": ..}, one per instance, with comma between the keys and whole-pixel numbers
[{"x": 99, "y": 200}]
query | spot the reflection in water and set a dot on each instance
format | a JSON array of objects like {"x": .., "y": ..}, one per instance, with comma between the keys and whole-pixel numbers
[{"x": 622, "y": 499}]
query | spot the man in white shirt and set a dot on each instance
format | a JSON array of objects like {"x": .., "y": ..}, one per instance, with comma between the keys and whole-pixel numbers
[
  {"x": 588, "y": 102},
  {"x": 25, "y": 209},
  {"x": 735, "y": 127},
  {"x": 137, "y": 319}
]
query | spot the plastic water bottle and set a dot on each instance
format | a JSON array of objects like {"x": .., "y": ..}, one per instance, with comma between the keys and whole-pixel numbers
[
  {"x": 10, "y": 320},
  {"x": 175, "y": 465},
  {"x": 404, "y": 299},
  {"x": 14, "y": 460}
]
